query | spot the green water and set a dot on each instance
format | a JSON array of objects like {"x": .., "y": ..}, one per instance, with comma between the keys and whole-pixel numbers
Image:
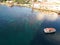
[
  {"x": 20, "y": 26},
  {"x": 17, "y": 25}
]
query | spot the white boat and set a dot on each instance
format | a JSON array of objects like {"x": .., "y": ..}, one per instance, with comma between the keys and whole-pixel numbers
[{"x": 49, "y": 30}]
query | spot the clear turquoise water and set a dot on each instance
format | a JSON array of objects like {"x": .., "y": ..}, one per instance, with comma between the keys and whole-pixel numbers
[{"x": 19, "y": 26}]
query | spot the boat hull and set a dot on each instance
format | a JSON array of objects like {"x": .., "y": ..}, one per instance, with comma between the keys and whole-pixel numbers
[{"x": 49, "y": 30}]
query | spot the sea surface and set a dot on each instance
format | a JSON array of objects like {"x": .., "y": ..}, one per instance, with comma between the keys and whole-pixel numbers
[{"x": 24, "y": 26}]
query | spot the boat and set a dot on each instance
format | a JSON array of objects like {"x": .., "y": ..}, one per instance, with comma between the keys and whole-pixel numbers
[{"x": 49, "y": 30}]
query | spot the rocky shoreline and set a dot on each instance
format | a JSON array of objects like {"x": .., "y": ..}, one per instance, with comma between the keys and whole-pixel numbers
[{"x": 15, "y": 4}]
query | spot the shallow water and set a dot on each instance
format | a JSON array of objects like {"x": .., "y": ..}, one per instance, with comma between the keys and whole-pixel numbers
[{"x": 22, "y": 26}]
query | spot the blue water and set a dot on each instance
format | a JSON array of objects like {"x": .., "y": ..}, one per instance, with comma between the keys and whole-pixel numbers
[{"x": 19, "y": 26}]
